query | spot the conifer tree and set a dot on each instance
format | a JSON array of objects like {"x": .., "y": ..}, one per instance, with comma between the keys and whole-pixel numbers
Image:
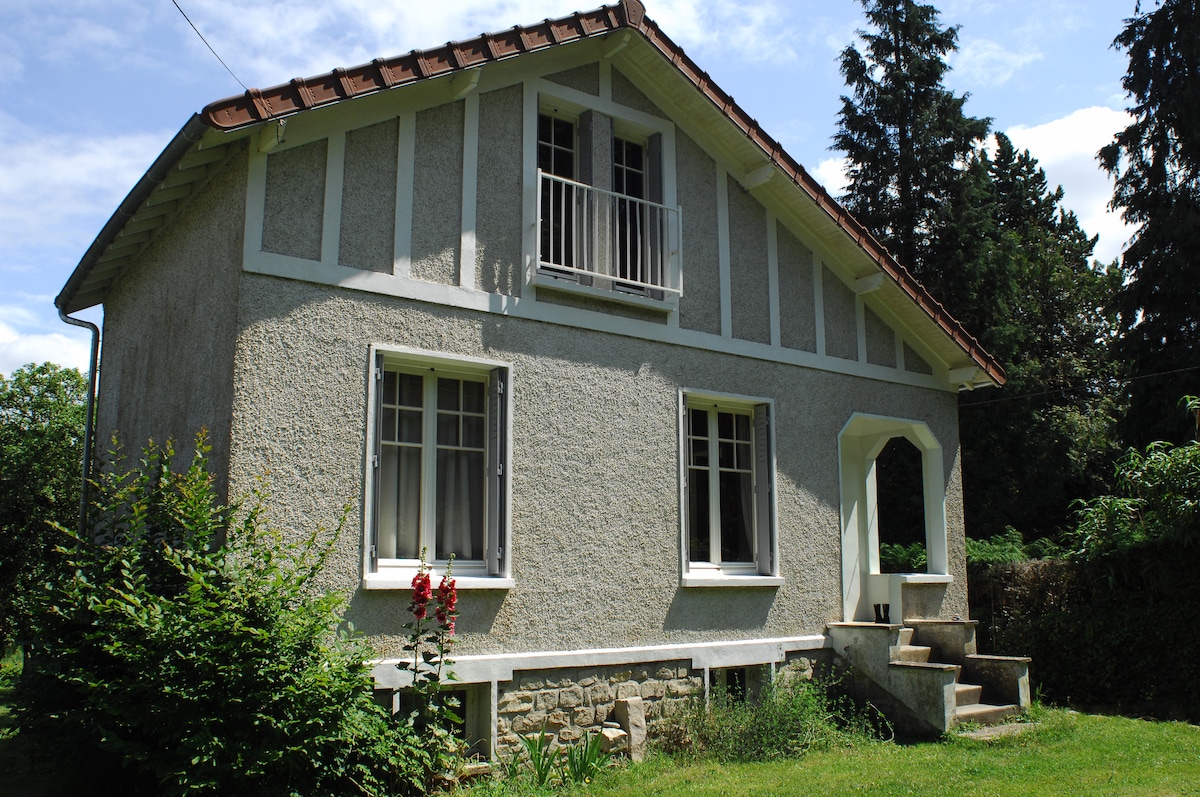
[
  {"x": 1155, "y": 162},
  {"x": 904, "y": 134}
]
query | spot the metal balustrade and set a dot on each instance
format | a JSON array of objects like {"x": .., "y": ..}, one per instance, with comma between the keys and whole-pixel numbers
[{"x": 607, "y": 240}]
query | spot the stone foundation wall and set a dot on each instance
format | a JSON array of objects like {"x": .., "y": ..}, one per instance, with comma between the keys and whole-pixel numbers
[{"x": 569, "y": 703}]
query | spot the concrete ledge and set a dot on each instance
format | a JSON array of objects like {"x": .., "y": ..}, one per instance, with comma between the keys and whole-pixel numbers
[{"x": 499, "y": 667}]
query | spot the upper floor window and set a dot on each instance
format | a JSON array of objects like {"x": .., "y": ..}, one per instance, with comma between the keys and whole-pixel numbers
[{"x": 601, "y": 222}]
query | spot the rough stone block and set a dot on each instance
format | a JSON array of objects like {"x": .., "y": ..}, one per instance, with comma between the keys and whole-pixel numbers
[
  {"x": 628, "y": 689},
  {"x": 571, "y": 696},
  {"x": 502, "y": 725},
  {"x": 514, "y": 702},
  {"x": 666, "y": 673},
  {"x": 631, "y": 714},
  {"x": 557, "y": 719},
  {"x": 545, "y": 701},
  {"x": 529, "y": 723},
  {"x": 600, "y": 693},
  {"x": 613, "y": 740},
  {"x": 586, "y": 682},
  {"x": 533, "y": 685},
  {"x": 620, "y": 677},
  {"x": 570, "y": 734},
  {"x": 584, "y": 715},
  {"x": 680, "y": 687},
  {"x": 653, "y": 688}
]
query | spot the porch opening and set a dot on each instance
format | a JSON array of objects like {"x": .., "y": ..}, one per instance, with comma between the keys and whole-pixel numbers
[{"x": 901, "y": 507}]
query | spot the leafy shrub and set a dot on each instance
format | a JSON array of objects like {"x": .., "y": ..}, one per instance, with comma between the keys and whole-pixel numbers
[
  {"x": 187, "y": 640},
  {"x": 1009, "y": 547},
  {"x": 787, "y": 719},
  {"x": 899, "y": 558}
]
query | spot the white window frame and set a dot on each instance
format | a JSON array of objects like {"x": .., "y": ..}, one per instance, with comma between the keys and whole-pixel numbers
[
  {"x": 763, "y": 570},
  {"x": 491, "y": 572}
]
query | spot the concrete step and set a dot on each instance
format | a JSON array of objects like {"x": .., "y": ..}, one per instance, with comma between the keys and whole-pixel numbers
[
  {"x": 967, "y": 694},
  {"x": 906, "y": 635},
  {"x": 985, "y": 713},
  {"x": 913, "y": 653}
]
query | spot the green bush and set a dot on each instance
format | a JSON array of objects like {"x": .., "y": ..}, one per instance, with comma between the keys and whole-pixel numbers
[
  {"x": 187, "y": 640},
  {"x": 787, "y": 719},
  {"x": 896, "y": 557}
]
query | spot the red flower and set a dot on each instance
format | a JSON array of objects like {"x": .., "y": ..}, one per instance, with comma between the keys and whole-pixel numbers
[
  {"x": 422, "y": 592},
  {"x": 448, "y": 594}
]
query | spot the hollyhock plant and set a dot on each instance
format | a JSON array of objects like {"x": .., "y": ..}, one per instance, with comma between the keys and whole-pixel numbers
[{"x": 428, "y": 664}]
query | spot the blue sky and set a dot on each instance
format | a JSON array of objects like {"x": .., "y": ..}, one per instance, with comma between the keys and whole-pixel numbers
[{"x": 94, "y": 91}]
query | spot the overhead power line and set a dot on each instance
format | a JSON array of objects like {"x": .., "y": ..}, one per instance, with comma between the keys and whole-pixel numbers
[
  {"x": 209, "y": 46},
  {"x": 1077, "y": 389}
]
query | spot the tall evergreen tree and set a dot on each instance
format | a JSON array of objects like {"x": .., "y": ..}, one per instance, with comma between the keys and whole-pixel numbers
[
  {"x": 1156, "y": 165},
  {"x": 904, "y": 134},
  {"x": 1029, "y": 452}
]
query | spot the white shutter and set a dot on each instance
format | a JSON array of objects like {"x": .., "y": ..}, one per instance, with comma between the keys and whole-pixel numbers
[
  {"x": 764, "y": 486},
  {"x": 497, "y": 477},
  {"x": 376, "y": 449}
]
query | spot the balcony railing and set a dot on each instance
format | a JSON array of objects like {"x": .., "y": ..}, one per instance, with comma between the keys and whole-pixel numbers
[{"x": 607, "y": 240}]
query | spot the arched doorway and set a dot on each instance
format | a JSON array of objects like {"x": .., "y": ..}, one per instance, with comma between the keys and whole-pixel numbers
[{"x": 863, "y": 447}]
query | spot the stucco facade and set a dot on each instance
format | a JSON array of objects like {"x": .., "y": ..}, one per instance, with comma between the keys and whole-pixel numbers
[{"x": 401, "y": 231}]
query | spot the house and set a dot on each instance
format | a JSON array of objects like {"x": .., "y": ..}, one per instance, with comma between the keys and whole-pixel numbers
[{"x": 550, "y": 302}]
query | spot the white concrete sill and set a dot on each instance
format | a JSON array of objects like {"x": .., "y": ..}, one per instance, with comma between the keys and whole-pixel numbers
[
  {"x": 732, "y": 581},
  {"x": 921, "y": 578},
  {"x": 400, "y": 581},
  {"x": 547, "y": 282}
]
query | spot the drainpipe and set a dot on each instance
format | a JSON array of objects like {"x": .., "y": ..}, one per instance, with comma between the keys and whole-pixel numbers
[{"x": 90, "y": 423}]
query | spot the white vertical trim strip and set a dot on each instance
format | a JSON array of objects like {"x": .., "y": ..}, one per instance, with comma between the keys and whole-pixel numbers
[
  {"x": 256, "y": 206},
  {"x": 335, "y": 177},
  {"x": 530, "y": 193},
  {"x": 606, "y": 79},
  {"x": 406, "y": 170},
  {"x": 773, "y": 278},
  {"x": 470, "y": 190},
  {"x": 819, "y": 304},
  {"x": 860, "y": 322},
  {"x": 726, "y": 279}
]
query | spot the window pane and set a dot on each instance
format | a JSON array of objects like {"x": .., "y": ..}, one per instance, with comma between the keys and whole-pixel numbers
[
  {"x": 389, "y": 387},
  {"x": 460, "y": 504},
  {"x": 474, "y": 432},
  {"x": 388, "y": 430},
  {"x": 448, "y": 396},
  {"x": 447, "y": 429},
  {"x": 698, "y": 516},
  {"x": 698, "y": 423},
  {"x": 725, "y": 425},
  {"x": 399, "y": 511},
  {"x": 410, "y": 426},
  {"x": 744, "y": 459},
  {"x": 411, "y": 388},
  {"x": 699, "y": 455},
  {"x": 743, "y": 427},
  {"x": 473, "y": 397},
  {"x": 737, "y": 518},
  {"x": 725, "y": 452}
]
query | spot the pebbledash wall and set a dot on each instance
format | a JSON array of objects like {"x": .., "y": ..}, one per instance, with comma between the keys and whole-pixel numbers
[{"x": 239, "y": 320}]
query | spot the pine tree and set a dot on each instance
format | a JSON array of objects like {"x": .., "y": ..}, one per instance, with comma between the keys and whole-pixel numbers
[
  {"x": 904, "y": 134},
  {"x": 1156, "y": 165},
  {"x": 1029, "y": 452}
]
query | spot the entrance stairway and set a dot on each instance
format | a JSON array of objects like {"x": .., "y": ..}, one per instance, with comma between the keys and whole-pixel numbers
[{"x": 926, "y": 676}]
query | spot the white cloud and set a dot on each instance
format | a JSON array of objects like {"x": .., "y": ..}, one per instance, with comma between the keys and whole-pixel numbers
[
  {"x": 1066, "y": 149},
  {"x": 58, "y": 189},
  {"x": 981, "y": 62},
  {"x": 20, "y": 347},
  {"x": 831, "y": 173}
]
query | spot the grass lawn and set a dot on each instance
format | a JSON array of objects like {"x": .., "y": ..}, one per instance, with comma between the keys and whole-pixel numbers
[{"x": 1067, "y": 754}]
